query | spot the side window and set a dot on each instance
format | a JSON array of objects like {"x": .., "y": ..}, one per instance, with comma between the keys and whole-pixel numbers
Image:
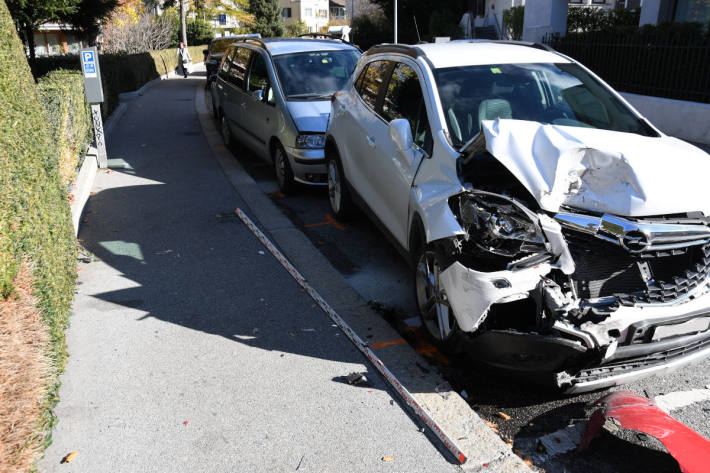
[
  {"x": 238, "y": 69},
  {"x": 404, "y": 99},
  {"x": 372, "y": 80},
  {"x": 226, "y": 61},
  {"x": 259, "y": 78}
]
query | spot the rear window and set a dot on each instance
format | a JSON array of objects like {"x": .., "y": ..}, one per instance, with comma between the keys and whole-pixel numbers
[
  {"x": 371, "y": 80},
  {"x": 314, "y": 75},
  {"x": 220, "y": 45}
]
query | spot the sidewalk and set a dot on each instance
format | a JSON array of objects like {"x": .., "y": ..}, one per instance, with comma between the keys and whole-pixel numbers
[{"x": 191, "y": 348}]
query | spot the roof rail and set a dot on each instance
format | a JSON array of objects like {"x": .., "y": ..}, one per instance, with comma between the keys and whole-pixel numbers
[
  {"x": 330, "y": 36},
  {"x": 405, "y": 49}
]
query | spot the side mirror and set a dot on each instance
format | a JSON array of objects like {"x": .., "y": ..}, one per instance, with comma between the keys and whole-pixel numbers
[
  {"x": 401, "y": 133},
  {"x": 258, "y": 94}
]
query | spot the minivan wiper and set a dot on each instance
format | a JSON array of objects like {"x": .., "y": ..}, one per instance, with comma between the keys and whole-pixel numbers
[{"x": 310, "y": 96}]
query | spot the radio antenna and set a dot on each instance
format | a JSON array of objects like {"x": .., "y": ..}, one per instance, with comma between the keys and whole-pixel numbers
[{"x": 416, "y": 28}]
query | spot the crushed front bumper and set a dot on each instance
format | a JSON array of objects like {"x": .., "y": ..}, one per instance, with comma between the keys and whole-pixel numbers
[{"x": 632, "y": 342}]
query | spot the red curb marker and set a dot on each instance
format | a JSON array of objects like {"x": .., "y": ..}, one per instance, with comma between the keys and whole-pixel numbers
[
  {"x": 329, "y": 220},
  {"x": 357, "y": 341}
]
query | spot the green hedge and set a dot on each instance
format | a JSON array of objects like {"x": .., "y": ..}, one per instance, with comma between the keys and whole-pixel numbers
[
  {"x": 68, "y": 118},
  {"x": 35, "y": 221},
  {"x": 121, "y": 72}
]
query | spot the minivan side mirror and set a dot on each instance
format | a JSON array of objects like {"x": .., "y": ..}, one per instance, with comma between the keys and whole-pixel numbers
[
  {"x": 401, "y": 134},
  {"x": 258, "y": 94}
]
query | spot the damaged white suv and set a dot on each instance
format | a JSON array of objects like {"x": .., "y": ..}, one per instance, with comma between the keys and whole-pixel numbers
[{"x": 547, "y": 221}]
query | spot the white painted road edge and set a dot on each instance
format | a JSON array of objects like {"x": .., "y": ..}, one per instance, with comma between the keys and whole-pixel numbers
[{"x": 418, "y": 410}]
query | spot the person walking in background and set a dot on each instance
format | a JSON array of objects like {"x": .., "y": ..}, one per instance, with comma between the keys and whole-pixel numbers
[{"x": 184, "y": 59}]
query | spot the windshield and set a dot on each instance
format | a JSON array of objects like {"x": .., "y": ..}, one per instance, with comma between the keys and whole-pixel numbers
[
  {"x": 558, "y": 94},
  {"x": 220, "y": 45},
  {"x": 315, "y": 74}
]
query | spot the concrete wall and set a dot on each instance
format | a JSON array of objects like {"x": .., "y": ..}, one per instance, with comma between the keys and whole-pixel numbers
[
  {"x": 688, "y": 121},
  {"x": 544, "y": 16}
]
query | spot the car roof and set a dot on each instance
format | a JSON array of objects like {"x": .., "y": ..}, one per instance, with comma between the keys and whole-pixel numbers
[
  {"x": 277, "y": 46},
  {"x": 475, "y": 53}
]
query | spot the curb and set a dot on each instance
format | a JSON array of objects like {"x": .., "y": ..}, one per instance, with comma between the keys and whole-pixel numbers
[
  {"x": 484, "y": 450},
  {"x": 81, "y": 188}
]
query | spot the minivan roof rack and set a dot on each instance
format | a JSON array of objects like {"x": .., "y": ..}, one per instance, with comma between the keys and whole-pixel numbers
[{"x": 330, "y": 36}]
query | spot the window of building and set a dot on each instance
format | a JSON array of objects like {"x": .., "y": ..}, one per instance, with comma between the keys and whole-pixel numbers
[
  {"x": 308, "y": 12},
  {"x": 286, "y": 13},
  {"x": 598, "y": 1}
]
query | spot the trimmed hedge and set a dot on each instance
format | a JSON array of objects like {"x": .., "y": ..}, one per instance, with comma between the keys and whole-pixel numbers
[
  {"x": 121, "y": 72},
  {"x": 68, "y": 118},
  {"x": 35, "y": 221}
]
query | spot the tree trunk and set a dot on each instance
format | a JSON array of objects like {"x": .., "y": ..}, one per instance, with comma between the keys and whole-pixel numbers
[
  {"x": 183, "y": 25},
  {"x": 29, "y": 34}
]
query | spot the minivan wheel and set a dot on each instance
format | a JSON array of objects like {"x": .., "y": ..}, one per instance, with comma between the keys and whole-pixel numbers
[
  {"x": 284, "y": 174},
  {"x": 434, "y": 308},
  {"x": 338, "y": 194},
  {"x": 226, "y": 132}
]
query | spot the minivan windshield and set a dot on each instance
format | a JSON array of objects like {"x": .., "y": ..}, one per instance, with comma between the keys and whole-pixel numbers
[
  {"x": 558, "y": 94},
  {"x": 314, "y": 75}
]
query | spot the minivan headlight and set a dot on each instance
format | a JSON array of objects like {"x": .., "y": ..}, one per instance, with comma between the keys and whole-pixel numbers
[{"x": 316, "y": 140}]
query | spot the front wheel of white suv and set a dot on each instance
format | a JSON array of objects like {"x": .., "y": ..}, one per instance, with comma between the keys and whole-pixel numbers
[
  {"x": 338, "y": 193},
  {"x": 435, "y": 309}
]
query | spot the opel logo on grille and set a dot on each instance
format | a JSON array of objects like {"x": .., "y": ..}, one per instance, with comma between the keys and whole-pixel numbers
[{"x": 634, "y": 241}]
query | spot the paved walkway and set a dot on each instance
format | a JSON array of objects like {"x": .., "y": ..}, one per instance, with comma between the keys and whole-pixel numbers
[{"x": 191, "y": 349}]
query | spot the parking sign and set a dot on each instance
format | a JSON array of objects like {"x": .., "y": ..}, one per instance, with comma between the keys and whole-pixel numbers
[{"x": 92, "y": 75}]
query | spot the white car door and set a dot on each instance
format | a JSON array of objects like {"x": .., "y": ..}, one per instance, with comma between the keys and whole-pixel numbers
[
  {"x": 364, "y": 125},
  {"x": 389, "y": 172}
]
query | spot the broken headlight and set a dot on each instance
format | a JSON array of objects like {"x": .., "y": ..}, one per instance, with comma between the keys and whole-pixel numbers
[{"x": 500, "y": 225}]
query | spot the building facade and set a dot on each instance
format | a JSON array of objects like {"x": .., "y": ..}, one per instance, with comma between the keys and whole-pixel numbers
[{"x": 314, "y": 13}]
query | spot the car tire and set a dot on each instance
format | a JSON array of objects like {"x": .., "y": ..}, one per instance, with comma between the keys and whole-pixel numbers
[
  {"x": 339, "y": 198},
  {"x": 435, "y": 311},
  {"x": 282, "y": 168},
  {"x": 226, "y": 132}
]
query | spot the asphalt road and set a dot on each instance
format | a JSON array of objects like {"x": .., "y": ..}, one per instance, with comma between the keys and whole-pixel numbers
[
  {"x": 374, "y": 268},
  {"x": 191, "y": 348}
]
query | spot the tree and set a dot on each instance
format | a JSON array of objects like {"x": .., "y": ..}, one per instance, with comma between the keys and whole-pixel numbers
[
  {"x": 183, "y": 26},
  {"x": 422, "y": 11},
  {"x": 30, "y": 14},
  {"x": 88, "y": 17},
  {"x": 267, "y": 17},
  {"x": 297, "y": 29}
]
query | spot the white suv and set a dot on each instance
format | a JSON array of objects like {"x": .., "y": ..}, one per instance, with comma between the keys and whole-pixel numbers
[{"x": 547, "y": 222}]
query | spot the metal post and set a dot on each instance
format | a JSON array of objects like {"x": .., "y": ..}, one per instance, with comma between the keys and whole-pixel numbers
[
  {"x": 395, "y": 21},
  {"x": 99, "y": 134}
]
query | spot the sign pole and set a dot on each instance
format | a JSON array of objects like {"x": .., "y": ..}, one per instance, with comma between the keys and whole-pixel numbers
[
  {"x": 99, "y": 134},
  {"x": 95, "y": 96}
]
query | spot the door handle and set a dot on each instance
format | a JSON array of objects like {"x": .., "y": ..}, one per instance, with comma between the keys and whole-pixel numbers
[{"x": 371, "y": 141}]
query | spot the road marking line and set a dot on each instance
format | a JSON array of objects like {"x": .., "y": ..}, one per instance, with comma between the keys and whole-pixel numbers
[
  {"x": 355, "y": 338},
  {"x": 329, "y": 220},
  {"x": 676, "y": 400},
  {"x": 401, "y": 341}
]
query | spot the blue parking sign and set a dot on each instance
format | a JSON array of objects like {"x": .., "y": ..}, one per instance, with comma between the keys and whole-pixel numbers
[{"x": 88, "y": 62}]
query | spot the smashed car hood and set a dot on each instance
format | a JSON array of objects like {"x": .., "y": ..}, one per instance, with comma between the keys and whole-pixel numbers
[
  {"x": 310, "y": 115},
  {"x": 601, "y": 170}
]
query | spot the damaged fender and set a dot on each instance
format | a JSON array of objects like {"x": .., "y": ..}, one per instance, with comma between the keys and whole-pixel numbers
[
  {"x": 632, "y": 411},
  {"x": 471, "y": 293}
]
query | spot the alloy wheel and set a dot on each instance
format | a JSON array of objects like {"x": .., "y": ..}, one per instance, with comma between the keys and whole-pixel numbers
[
  {"x": 434, "y": 306},
  {"x": 334, "y": 190}
]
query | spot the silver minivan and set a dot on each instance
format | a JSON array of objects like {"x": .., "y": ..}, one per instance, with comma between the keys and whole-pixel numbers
[{"x": 273, "y": 95}]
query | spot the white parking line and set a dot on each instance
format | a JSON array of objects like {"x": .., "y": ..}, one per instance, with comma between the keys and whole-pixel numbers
[
  {"x": 677, "y": 399},
  {"x": 359, "y": 343}
]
